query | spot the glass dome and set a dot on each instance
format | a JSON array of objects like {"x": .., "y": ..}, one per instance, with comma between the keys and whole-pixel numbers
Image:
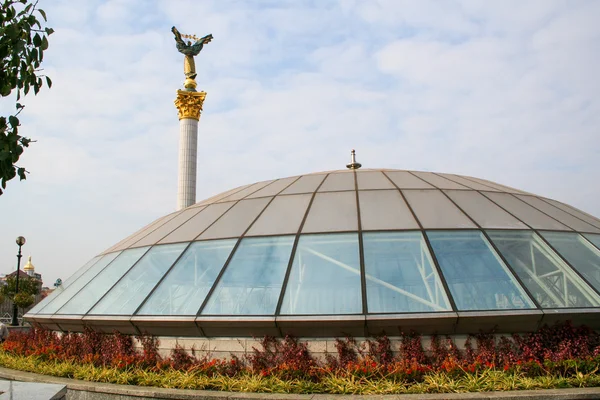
[{"x": 357, "y": 252}]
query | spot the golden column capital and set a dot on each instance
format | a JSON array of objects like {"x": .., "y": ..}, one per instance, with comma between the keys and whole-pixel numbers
[{"x": 189, "y": 104}]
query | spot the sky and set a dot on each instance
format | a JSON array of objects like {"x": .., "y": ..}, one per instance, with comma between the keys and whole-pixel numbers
[{"x": 502, "y": 90}]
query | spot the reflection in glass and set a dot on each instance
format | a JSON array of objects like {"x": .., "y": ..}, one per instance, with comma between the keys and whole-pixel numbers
[
  {"x": 580, "y": 253},
  {"x": 125, "y": 297},
  {"x": 400, "y": 275},
  {"x": 595, "y": 239},
  {"x": 185, "y": 287},
  {"x": 476, "y": 276},
  {"x": 325, "y": 276},
  {"x": 76, "y": 286},
  {"x": 549, "y": 279},
  {"x": 252, "y": 280},
  {"x": 85, "y": 299},
  {"x": 62, "y": 287}
]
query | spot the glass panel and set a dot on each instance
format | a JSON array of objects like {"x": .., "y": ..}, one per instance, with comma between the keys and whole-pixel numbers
[
  {"x": 501, "y": 188},
  {"x": 76, "y": 286},
  {"x": 438, "y": 181},
  {"x": 476, "y": 276},
  {"x": 595, "y": 239},
  {"x": 400, "y": 275},
  {"x": 282, "y": 216},
  {"x": 91, "y": 293},
  {"x": 245, "y": 192},
  {"x": 465, "y": 181},
  {"x": 67, "y": 282},
  {"x": 125, "y": 297},
  {"x": 167, "y": 228},
  {"x": 183, "y": 290},
  {"x": 385, "y": 209},
  {"x": 252, "y": 281},
  {"x": 372, "y": 180},
  {"x": 45, "y": 301},
  {"x": 306, "y": 184},
  {"x": 274, "y": 188},
  {"x": 195, "y": 226},
  {"x": 325, "y": 276},
  {"x": 549, "y": 279},
  {"x": 434, "y": 210},
  {"x": 565, "y": 218},
  {"x": 580, "y": 253},
  {"x": 484, "y": 211},
  {"x": 143, "y": 232},
  {"x": 532, "y": 217},
  {"x": 339, "y": 181},
  {"x": 220, "y": 196},
  {"x": 236, "y": 220},
  {"x": 578, "y": 213},
  {"x": 406, "y": 180},
  {"x": 332, "y": 212}
]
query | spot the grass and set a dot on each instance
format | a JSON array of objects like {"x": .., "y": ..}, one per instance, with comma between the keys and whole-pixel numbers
[{"x": 331, "y": 383}]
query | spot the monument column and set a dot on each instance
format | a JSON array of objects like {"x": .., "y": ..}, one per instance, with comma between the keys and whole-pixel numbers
[{"x": 189, "y": 104}]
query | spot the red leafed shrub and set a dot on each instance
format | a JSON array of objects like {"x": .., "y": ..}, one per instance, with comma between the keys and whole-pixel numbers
[
  {"x": 150, "y": 357},
  {"x": 380, "y": 350},
  {"x": 560, "y": 349},
  {"x": 411, "y": 348},
  {"x": 348, "y": 352},
  {"x": 287, "y": 358},
  {"x": 443, "y": 353},
  {"x": 180, "y": 359},
  {"x": 486, "y": 349},
  {"x": 72, "y": 345}
]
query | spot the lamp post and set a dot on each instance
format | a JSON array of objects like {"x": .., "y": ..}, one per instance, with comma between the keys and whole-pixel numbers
[{"x": 15, "y": 321}]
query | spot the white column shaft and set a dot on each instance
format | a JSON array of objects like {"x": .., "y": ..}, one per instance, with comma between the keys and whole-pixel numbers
[{"x": 188, "y": 158}]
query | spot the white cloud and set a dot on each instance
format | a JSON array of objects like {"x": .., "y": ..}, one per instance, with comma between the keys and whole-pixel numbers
[{"x": 503, "y": 90}]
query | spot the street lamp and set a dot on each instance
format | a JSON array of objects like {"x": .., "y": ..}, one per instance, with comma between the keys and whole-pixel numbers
[{"x": 15, "y": 322}]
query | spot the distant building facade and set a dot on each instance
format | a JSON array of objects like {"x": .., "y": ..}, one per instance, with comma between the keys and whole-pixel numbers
[{"x": 28, "y": 271}]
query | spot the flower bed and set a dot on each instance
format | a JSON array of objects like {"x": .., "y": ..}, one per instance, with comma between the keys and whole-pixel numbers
[{"x": 552, "y": 357}]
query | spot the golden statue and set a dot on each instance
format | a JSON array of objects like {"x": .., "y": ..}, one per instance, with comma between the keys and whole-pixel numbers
[{"x": 190, "y": 50}]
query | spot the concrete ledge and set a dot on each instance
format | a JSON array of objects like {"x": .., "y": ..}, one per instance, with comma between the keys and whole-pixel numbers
[{"x": 83, "y": 390}]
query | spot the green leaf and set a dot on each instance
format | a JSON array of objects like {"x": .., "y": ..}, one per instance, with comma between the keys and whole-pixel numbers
[
  {"x": 43, "y": 14},
  {"x": 48, "y": 82},
  {"x": 21, "y": 172},
  {"x": 5, "y": 90},
  {"x": 37, "y": 40},
  {"x": 13, "y": 121},
  {"x": 44, "y": 43},
  {"x": 49, "y": 31}
]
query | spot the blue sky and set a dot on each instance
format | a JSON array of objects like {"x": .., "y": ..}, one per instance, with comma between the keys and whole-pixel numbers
[{"x": 502, "y": 90}]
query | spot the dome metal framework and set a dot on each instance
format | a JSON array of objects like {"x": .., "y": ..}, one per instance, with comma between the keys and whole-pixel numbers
[{"x": 357, "y": 252}]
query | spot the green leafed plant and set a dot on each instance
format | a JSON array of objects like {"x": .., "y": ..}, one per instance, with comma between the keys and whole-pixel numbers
[{"x": 23, "y": 41}]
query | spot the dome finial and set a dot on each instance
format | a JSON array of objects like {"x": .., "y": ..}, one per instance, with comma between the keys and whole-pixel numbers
[
  {"x": 29, "y": 266},
  {"x": 353, "y": 164}
]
